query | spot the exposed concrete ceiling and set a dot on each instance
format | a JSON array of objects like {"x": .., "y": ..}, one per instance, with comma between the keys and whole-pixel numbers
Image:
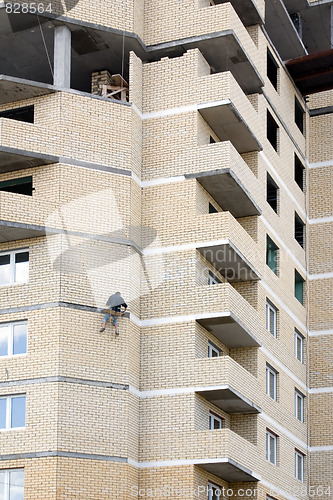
[
  {"x": 227, "y": 190},
  {"x": 228, "y": 470},
  {"x": 229, "y": 262},
  {"x": 228, "y": 124},
  {"x": 17, "y": 89},
  {"x": 11, "y": 231},
  {"x": 17, "y": 159},
  {"x": 230, "y": 331},
  {"x": 229, "y": 400}
]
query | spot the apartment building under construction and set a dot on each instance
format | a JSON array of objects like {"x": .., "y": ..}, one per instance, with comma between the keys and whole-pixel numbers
[{"x": 180, "y": 152}]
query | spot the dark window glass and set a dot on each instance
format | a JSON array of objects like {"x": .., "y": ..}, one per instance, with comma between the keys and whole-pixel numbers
[
  {"x": 299, "y": 230},
  {"x": 272, "y": 193},
  {"x": 21, "y": 257},
  {"x": 23, "y": 185},
  {"x": 271, "y": 254},
  {"x": 299, "y": 173},
  {"x": 212, "y": 209},
  {"x": 299, "y": 287}
]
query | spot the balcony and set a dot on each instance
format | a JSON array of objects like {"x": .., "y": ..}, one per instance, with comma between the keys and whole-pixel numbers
[
  {"x": 247, "y": 11},
  {"x": 228, "y": 191},
  {"x": 220, "y": 452},
  {"x": 11, "y": 231}
]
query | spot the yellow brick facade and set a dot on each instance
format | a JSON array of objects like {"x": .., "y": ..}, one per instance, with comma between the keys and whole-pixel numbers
[{"x": 165, "y": 197}]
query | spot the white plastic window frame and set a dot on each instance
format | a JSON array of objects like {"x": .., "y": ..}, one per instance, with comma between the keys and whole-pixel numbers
[
  {"x": 271, "y": 310},
  {"x": 7, "y": 481},
  {"x": 270, "y": 437},
  {"x": 213, "y": 348},
  {"x": 299, "y": 340},
  {"x": 214, "y": 491},
  {"x": 299, "y": 405},
  {"x": 271, "y": 371},
  {"x": 9, "y": 400},
  {"x": 10, "y": 339},
  {"x": 299, "y": 459},
  {"x": 12, "y": 254},
  {"x": 214, "y": 418}
]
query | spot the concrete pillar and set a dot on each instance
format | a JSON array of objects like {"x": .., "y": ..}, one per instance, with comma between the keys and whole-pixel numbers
[{"x": 62, "y": 57}]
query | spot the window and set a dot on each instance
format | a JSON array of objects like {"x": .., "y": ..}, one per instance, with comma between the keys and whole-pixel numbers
[
  {"x": 271, "y": 381},
  {"x": 25, "y": 114},
  {"x": 212, "y": 279},
  {"x": 271, "y": 441},
  {"x": 272, "y": 193},
  {"x": 213, "y": 350},
  {"x": 299, "y": 173},
  {"x": 297, "y": 22},
  {"x": 272, "y": 69},
  {"x": 211, "y": 140},
  {"x": 214, "y": 492},
  {"x": 14, "y": 267},
  {"x": 299, "y": 230},
  {"x": 299, "y": 405},
  {"x": 271, "y": 254},
  {"x": 11, "y": 484},
  {"x": 13, "y": 339},
  {"x": 299, "y": 346},
  {"x": 272, "y": 131},
  {"x": 12, "y": 412},
  {"x": 299, "y": 465},
  {"x": 299, "y": 287},
  {"x": 212, "y": 209},
  {"x": 22, "y": 185},
  {"x": 215, "y": 422},
  {"x": 271, "y": 318},
  {"x": 299, "y": 115}
]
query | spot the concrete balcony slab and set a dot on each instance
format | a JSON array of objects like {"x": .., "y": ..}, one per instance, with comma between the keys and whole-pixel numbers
[
  {"x": 16, "y": 159},
  {"x": 228, "y": 470},
  {"x": 229, "y": 400},
  {"x": 229, "y": 329},
  {"x": 228, "y": 191},
  {"x": 17, "y": 89},
  {"x": 228, "y": 124},
  {"x": 12, "y": 231},
  {"x": 229, "y": 261}
]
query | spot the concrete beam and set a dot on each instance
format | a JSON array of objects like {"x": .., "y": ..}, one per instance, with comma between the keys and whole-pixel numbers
[{"x": 62, "y": 57}]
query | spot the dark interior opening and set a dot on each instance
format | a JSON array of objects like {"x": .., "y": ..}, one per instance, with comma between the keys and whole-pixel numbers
[
  {"x": 25, "y": 114},
  {"x": 299, "y": 230},
  {"x": 272, "y": 131},
  {"x": 212, "y": 209},
  {"x": 299, "y": 173},
  {"x": 299, "y": 116},
  {"x": 23, "y": 185},
  {"x": 272, "y": 193},
  {"x": 272, "y": 69}
]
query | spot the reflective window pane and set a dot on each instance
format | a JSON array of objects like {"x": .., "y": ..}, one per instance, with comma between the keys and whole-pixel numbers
[
  {"x": 16, "y": 481},
  {"x": 4, "y": 335},
  {"x": 20, "y": 339},
  {"x": 21, "y": 267},
  {"x": 18, "y": 411},
  {"x": 2, "y": 485},
  {"x": 3, "y": 406}
]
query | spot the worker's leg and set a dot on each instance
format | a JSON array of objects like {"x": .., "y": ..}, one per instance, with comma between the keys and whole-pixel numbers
[
  {"x": 115, "y": 323},
  {"x": 105, "y": 319}
]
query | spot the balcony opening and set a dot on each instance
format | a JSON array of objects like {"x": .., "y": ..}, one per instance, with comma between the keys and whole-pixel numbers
[
  {"x": 299, "y": 173},
  {"x": 272, "y": 252},
  {"x": 272, "y": 193},
  {"x": 272, "y": 70},
  {"x": 299, "y": 230},
  {"x": 212, "y": 209},
  {"x": 272, "y": 131},
  {"x": 211, "y": 140},
  {"x": 212, "y": 279},
  {"x": 22, "y": 185},
  {"x": 113, "y": 87},
  {"x": 299, "y": 115},
  {"x": 297, "y": 22},
  {"x": 299, "y": 287},
  {"x": 25, "y": 114}
]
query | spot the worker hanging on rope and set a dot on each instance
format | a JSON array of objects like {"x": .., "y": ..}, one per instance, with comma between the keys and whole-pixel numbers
[{"x": 116, "y": 307}]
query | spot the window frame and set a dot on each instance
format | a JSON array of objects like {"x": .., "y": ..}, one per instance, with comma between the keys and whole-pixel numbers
[
  {"x": 10, "y": 339},
  {"x": 271, "y": 309},
  {"x": 299, "y": 405},
  {"x": 214, "y": 417},
  {"x": 299, "y": 282},
  {"x": 12, "y": 264},
  {"x": 7, "y": 483},
  {"x": 272, "y": 255},
  {"x": 271, "y": 371},
  {"x": 213, "y": 279},
  {"x": 271, "y": 436},
  {"x": 301, "y": 456},
  {"x": 9, "y": 412},
  {"x": 301, "y": 338},
  {"x": 213, "y": 348},
  {"x": 210, "y": 488}
]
